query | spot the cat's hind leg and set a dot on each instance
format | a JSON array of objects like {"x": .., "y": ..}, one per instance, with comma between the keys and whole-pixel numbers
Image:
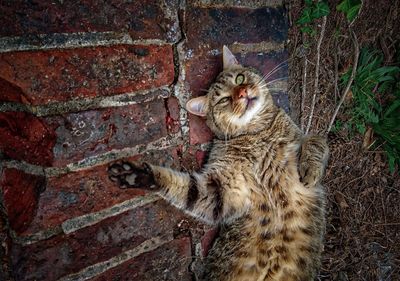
[{"x": 313, "y": 159}]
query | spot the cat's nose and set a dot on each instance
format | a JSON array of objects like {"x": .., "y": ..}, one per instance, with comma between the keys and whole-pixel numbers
[{"x": 242, "y": 93}]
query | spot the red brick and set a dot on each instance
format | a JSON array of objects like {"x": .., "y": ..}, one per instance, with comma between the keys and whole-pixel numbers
[
  {"x": 142, "y": 19},
  {"x": 193, "y": 159},
  {"x": 20, "y": 197},
  {"x": 201, "y": 157},
  {"x": 65, "y": 254},
  {"x": 217, "y": 26},
  {"x": 89, "y": 133},
  {"x": 266, "y": 62},
  {"x": 87, "y": 191},
  {"x": 208, "y": 240},
  {"x": 173, "y": 115},
  {"x": 201, "y": 71},
  {"x": 11, "y": 93},
  {"x": 168, "y": 262},
  {"x": 61, "y": 75},
  {"x": 198, "y": 131},
  {"x": 24, "y": 136}
]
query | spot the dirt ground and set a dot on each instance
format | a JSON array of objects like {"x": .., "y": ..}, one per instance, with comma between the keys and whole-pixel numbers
[{"x": 363, "y": 220}]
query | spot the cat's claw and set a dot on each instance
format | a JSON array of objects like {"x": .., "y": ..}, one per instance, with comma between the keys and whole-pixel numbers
[{"x": 130, "y": 175}]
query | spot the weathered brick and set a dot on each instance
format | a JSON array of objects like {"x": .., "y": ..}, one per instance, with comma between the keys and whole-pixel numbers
[
  {"x": 198, "y": 131},
  {"x": 214, "y": 27},
  {"x": 24, "y": 136},
  {"x": 87, "y": 191},
  {"x": 173, "y": 115},
  {"x": 20, "y": 192},
  {"x": 11, "y": 93},
  {"x": 142, "y": 19},
  {"x": 208, "y": 240},
  {"x": 61, "y": 75},
  {"x": 168, "y": 262},
  {"x": 201, "y": 156},
  {"x": 65, "y": 254},
  {"x": 266, "y": 62},
  {"x": 93, "y": 132},
  {"x": 189, "y": 160}
]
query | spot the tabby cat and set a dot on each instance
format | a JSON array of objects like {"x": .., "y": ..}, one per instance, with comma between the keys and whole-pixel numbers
[{"x": 261, "y": 183}]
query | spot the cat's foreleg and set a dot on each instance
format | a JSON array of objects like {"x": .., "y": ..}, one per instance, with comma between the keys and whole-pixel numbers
[
  {"x": 200, "y": 194},
  {"x": 313, "y": 159}
]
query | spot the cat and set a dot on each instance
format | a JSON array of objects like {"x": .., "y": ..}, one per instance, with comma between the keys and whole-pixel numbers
[{"x": 261, "y": 183}]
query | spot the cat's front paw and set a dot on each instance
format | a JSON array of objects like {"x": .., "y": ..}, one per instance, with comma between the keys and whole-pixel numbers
[{"x": 130, "y": 175}]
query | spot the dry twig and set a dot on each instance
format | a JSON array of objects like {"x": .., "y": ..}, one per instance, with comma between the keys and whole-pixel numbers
[
  {"x": 303, "y": 92},
  {"x": 353, "y": 74},
  {"x": 316, "y": 81}
]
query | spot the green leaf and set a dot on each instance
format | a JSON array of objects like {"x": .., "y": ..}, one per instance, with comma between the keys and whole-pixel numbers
[
  {"x": 307, "y": 29},
  {"x": 353, "y": 12},
  {"x": 350, "y": 8},
  {"x": 343, "y": 6},
  {"x": 361, "y": 128},
  {"x": 321, "y": 9},
  {"x": 376, "y": 101},
  {"x": 395, "y": 105},
  {"x": 392, "y": 158},
  {"x": 306, "y": 16},
  {"x": 308, "y": 2}
]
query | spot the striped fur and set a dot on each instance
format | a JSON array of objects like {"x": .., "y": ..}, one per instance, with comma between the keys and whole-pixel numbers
[{"x": 261, "y": 184}]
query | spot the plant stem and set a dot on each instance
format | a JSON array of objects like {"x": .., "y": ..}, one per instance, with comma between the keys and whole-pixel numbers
[
  {"x": 303, "y": 92},
  {"x": 353, "y": 74},
  {"x": 316, "y": 81}
]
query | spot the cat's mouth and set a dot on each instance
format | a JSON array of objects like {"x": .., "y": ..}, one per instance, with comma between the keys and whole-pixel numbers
[{"x": 250, "y": 101}]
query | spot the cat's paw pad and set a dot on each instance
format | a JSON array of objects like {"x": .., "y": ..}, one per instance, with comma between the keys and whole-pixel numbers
[{"x": 129, "y": 175}]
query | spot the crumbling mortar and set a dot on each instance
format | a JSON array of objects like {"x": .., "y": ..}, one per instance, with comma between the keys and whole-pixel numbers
[
  {"x": 84, "y": 104},
  {"x": 90, "y": 162},
  {"x": 178, "y": 86},
  {"x": 71, "y": 40},
  {"x": 254, "y": 4}
]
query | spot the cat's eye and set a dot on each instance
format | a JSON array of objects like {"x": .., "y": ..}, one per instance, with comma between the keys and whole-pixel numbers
[
  {"x": 224, "y": 100},
  {"x": 239, "y": 79}
]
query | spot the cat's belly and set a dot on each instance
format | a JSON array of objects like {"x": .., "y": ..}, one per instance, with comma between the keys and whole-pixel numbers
[{"x": 253, "y": 249}]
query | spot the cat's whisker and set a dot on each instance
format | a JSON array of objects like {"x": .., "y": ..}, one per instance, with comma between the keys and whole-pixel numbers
[
  {"x": 274, "y": 70},
  {"x": 275, "y": 80}
]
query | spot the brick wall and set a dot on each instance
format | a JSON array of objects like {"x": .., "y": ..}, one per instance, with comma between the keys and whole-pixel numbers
[{"x": 83, "y": 84}]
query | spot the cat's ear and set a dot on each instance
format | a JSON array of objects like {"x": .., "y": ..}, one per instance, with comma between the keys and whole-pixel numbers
[
  {"x": 197, "y": 106},
  {"x": 229, "y": 59}
]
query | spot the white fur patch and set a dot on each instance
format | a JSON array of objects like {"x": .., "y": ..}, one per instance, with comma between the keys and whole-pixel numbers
[{"x": 249, "y": 114}]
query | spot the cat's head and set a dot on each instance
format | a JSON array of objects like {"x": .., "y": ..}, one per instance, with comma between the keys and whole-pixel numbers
[{"x": 235, "y": 102}]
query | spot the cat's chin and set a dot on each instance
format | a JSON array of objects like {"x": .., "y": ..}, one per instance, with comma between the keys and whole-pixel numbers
[{"x": 251, "y": 110}]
